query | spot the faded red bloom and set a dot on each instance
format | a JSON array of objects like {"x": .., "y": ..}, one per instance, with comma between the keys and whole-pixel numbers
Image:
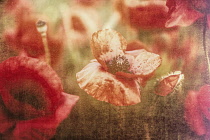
[
  {"x": 114, "y": 78},
  {"x": 24, "y": 36},
  {"x": 33, "y": 103},
  {"x": 79, "y": 24},
  {"x": 179, "y": 51},
  {"x": 143, "y": 14},
  {"x": 197, "y": 113},
  {"x": 84, "y": 21},
  {"x": 167, "y": 84},
  {"x": 88, "y": 2},
  {"x": 186, "y": 12}
]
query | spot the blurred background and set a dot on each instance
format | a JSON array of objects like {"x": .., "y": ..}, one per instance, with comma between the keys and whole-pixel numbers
[{"x": 74, "y": 21}]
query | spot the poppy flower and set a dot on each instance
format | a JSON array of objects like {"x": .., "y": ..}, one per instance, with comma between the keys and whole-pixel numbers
[
  {"x": 79, "y": 23},
  {"x": 143, "y": 14},
  {"x": 24, "y": 37},
  {"x": 186, "y": 12},
  {"x": 113, "y": 77},
  {"x": 168, "y": 83},
  {"x": 88, "y": 2},
  {"x": 179, "y": 51},
  {"x": 33, "y": 103},
  {"x": 197, "y": 110}
]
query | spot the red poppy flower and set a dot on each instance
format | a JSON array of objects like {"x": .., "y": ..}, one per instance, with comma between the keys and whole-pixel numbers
[
  {"x": 25, "y": 37},
  {"x": 197, "y": 114},
  {"x": 32, "y": 99},
  {"x": 186, "y": 12},
  {"x": 143, "y": 14},
  {"x": 114, "y": 78}
]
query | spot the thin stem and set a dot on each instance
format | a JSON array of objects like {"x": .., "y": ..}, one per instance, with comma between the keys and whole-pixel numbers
[
  {"x": 204, "y": 44},
  {"x": 42, "y": 29}
]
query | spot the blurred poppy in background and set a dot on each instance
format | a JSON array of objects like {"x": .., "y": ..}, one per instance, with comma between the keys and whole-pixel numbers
[
  {"x": 143, "y": 14},
  {"x": 24, "y": 37},
  {"x": 197, "y": 114}
]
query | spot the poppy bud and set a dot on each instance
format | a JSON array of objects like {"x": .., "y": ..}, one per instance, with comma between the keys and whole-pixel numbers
[{"x": 168, "y": 83}]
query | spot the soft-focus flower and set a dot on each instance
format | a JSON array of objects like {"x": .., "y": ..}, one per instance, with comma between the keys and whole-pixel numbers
[
  {"x": 169, "y": 83},
  {"x": 204, "y": 100},
  {"x": 197, "y": 112},
  {"x": 115, "y": 75},
  {"x": 180, "y": 51},
  {"x": 79, "y": 23},
  {"x": 186, "y": 12},
  {"x": 88, "y": 2},
  {"x": 33, "y": 103},
  {"x": 143, "y": 14},
  {"x": 18, "y": 7},
  {"x": 24, "y": 36}
]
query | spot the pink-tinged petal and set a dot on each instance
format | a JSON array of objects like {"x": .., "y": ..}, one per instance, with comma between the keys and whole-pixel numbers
[
  {"x": 168, "y": 83},
  {"x": 204, "y": 100},
  {"x": 44, "y": 128},
  {"x": 193, "y": 114},
  {"x": 107, "y": 87},
  {"x": 145, "y": 63},
  {"x": 107, "y": 44},
  {"x": 181, "y": 14}
]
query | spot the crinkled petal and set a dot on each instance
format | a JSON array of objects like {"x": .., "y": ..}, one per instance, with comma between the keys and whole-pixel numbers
[
  {"x": 193, "y": 115},
  {"x": 107, "y": 87},
  {"x": 180, "y": 14},
  {"x": 204, "y": 100},
  {"x": 107, "y": 44},
  {"x": 145, "y": 63},
  {"x": 44, "y": 128}
]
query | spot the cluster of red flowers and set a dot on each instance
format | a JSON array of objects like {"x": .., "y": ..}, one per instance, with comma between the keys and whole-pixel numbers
[
  {"x": 33, "y": 102},
  {"x": 197, "y": 103}
]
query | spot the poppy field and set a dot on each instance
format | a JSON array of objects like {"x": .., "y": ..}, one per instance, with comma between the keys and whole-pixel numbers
[{"x": 104, "y": 69}]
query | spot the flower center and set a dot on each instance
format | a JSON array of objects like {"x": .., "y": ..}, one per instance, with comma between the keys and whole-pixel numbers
[
  {"x": 27, "y": 96},
  {"x": 118, "y": 64},
  {"x": 27, "y": 99}
]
